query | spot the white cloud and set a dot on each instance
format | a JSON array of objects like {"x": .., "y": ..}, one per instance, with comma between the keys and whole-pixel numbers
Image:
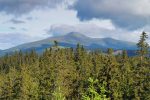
[
  {"x": 95, "y": 31},
  {"x": 36, "y": 28},
  {"x": 129, "y": 14}
]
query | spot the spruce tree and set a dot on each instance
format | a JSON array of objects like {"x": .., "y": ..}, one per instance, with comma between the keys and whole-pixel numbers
[
  {"x": 143, "y": 46},
  {"x": 55, "y": 43},
  {"x": 110, "y": 51}
]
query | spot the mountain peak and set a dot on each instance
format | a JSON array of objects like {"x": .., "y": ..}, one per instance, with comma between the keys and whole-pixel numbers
[
  {"x": 71, "y": 39},
  {"x": 76, "y": 34}
]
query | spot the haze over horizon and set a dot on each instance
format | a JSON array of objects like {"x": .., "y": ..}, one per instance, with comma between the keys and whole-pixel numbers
[{"x": 23, "y": 21}]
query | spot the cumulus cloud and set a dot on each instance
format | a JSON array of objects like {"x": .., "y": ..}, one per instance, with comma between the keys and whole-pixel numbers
[
  {"x": 18, "y": 7},
  {"x": 36, "y": 22},
  {"x": 91, "y": 26},
  {"x": 129, "y": 14}
]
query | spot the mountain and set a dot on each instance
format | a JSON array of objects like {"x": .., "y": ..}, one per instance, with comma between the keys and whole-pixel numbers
[{"x": 70, "y": 40}]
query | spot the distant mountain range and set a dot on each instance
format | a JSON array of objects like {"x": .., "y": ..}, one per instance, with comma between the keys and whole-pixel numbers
[
  {"x": 71, "y": 40},
  {"x": 1, "y": 51}
]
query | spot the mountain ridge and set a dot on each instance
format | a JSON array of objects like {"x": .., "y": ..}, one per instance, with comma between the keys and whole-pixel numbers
[{"x": 70, "y": 40}]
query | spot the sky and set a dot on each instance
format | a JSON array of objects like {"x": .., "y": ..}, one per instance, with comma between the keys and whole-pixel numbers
[{"x": 23, "y": 21}]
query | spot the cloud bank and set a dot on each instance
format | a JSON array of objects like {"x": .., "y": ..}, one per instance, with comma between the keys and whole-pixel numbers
[
  {"x": 94, "y": 31},
  {"x": 19, "y": 7},
  {"x": 129, "y": 14}
]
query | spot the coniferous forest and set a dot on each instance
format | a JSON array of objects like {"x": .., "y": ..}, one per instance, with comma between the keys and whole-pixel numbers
[{"x": 76, "y": 74}]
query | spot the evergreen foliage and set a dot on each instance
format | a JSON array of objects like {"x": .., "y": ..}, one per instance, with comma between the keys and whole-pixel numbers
[{"x": 63, "y": 74}]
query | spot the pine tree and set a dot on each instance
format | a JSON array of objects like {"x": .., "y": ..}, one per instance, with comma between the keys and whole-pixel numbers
[
  {"x": 126, "y": 79},
  {"x": 46, "y": 75},
  {"x": 141, "y": 70},
  {"x": 124, "y": 56},
  {"x": 8, "y": 85},
  {"x": 143, "y": 46},
  {"x": 29, "y": 84},
  {"x": 55, "y": 43},
  {"x": 110, "y": 51},
  {"x": 92, "y": 93}
]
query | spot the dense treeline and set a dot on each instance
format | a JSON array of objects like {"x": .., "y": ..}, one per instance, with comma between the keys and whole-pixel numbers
[{"x": 76, "y": 74}]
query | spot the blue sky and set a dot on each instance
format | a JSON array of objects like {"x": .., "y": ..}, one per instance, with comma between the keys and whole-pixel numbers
[{"x": 24, "y": 21}]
